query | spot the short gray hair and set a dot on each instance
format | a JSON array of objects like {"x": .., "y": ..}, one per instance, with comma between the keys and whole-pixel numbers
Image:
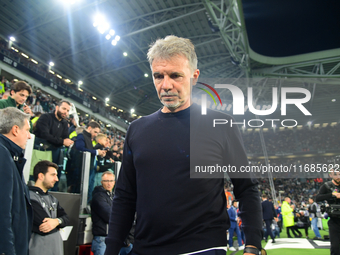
[
  {"x": 172, "y": 46},
  {"x": 108, "y": 173},
  {"x": 10, "y": 117}
]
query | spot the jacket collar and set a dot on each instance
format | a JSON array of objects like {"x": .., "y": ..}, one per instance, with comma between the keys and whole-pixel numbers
[
  {"x": 37, "y": 190},
  {"x": 15, "y": 150},
  {"x": 13, "y": 103},
  {"x": 87, "y": 134}
]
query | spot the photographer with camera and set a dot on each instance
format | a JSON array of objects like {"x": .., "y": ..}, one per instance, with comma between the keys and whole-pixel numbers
[{"x": 330, "y": 192}]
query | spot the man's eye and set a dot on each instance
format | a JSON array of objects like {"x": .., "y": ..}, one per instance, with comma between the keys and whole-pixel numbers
[
  {"x": 158, "y": 76},
  {"x": 174, "y": 76}
]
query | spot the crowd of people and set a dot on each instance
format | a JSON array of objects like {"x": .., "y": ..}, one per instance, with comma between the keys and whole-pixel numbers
[{"x": 43, "y": 70}]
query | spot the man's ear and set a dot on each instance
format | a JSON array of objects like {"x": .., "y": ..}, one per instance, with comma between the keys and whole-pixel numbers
[
  {"x": 40, "y": 176},
  {"x": 195, "y": 76},
  {"x": 15, "y": 130}
]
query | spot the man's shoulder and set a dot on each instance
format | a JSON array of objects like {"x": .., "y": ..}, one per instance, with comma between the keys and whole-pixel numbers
[
  {"x": 4, "y": 103},
  {"x": 142, "y": 123}
]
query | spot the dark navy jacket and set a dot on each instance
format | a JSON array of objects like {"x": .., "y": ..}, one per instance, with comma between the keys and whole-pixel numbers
[
  {"x": 268, "y": 210},
  {"x": 16, "y": 214},
  {"x": 100, "y": 211}
]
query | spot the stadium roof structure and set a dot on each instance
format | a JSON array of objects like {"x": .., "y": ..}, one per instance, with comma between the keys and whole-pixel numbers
[{"x": 233, "y": 38}]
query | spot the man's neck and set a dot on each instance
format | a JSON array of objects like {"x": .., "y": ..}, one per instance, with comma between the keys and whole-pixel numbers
[
  {"x": 39, "y": 185},
  {"x": 56, "y": 115},
  {"x": 335, "y": 183}
]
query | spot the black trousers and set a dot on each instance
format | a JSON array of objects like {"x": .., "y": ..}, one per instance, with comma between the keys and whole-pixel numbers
[
  {"x": 268, "y": 229},
  {"x": 293, "y": 229},
  {"x": 334, "y": 235}
]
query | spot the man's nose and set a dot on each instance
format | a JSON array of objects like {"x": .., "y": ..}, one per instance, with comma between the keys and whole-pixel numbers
[
  {"x": 167, "y": 84},
  {"x": 29, "y": 135}
]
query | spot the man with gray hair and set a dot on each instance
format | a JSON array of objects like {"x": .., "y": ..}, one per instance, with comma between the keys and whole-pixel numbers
[
  {"x": 177, "y": 214},
  {"x": 16, "y": 214}
]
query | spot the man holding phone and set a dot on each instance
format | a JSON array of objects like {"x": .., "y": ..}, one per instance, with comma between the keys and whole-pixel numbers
[{"x": 18, "y": 96}]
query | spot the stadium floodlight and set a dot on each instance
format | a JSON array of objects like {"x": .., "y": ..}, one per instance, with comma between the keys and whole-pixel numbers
[
  {"x": 117, "y": 38},
  {"x": 114, "y": 42},
  {"x": 108, "y": 37},
  {"x": 107, "y": 99},
  {"x": 101, "y": 23},
  {"x": 125, "y": 54},
  {"x": 51, "y": 64},
  {"x": 80, "y": 83},
  {"x": 132, "y": 110},
  {"x": 12, "y": 38},
  {"x": 112, "y": 32},
  {"x": 24, "y": 55},
  {"x": 146, "y": 75},
  {"x": 333, "y": 100}
]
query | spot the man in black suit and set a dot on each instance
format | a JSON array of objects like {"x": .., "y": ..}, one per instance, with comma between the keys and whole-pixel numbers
[{"x": 268, "y": 212}]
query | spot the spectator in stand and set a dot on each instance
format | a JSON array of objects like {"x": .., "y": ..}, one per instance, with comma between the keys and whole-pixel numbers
[
  {"x": 18, "y": 95},
  {"x": 6, "y": 94},
  {"x": 35, "y": 119},
  {"x": 72, "y": 123},
  {"x": 100, "y": 211},
  {"x": 2, "y": 86},
  {"x": 16, "y": 214},
  {"x": 52, "y": 132},
  {"x": 83, "y": 143},
  {"x": 38, "y": 108},
  {"x": 49, "y": 216}
]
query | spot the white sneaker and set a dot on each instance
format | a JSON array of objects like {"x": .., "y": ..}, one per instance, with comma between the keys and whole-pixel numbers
[
  {"x": 232, "y": 248},
  {"x": 240, "y": 248}
]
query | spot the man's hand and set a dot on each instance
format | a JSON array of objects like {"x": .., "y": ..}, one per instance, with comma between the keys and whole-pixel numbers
[
  {"x": 27, "y": 110},
  {"x": 67, "y": 142},
  {"x": 336, "y": 194},
  {"x": 112, "y": 161},
  {"x": 48, "y": 225}
]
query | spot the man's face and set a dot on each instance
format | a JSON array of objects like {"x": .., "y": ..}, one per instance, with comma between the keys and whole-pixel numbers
[
  {"x": 94, "y": 132},
  {"x": 172, "y": 82},
  {"x": 108, "y": 182},
  {"x": 235, "y": 204},
  {"x": 23, "y": 134},
  {"x": 102, "y": 141},
  {"x": 62, "y": 111},
  {"x": 310, "y": 201},
  {"x": 50, "y": 178},
  {"x": 20, "y": 97},
  {"x": 107, "y": 142},
  {"x": 335, "y": 175}
]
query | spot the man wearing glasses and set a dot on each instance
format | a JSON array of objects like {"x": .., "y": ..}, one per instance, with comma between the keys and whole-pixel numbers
[{"x": 100, "y": 211}]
